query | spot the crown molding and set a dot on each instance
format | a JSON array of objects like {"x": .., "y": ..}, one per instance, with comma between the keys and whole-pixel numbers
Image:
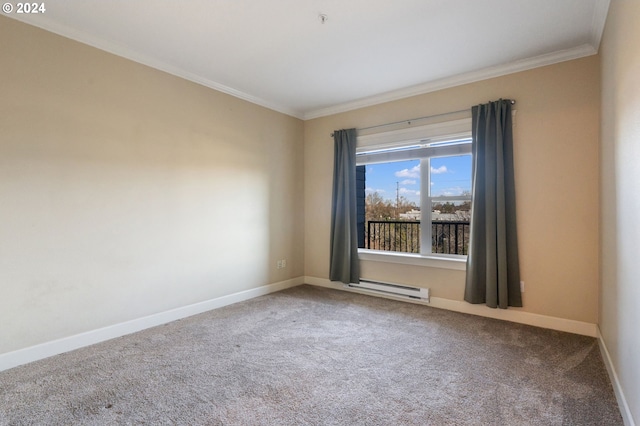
[
  {"x": 460, "y": 79},
  {"x": 597, "y": 28},
  {"x": 131, "y": 54},
  {"x": 600, "y": 12}
]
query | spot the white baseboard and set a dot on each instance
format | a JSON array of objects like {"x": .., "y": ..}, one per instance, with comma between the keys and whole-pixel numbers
[
  {"x": 44, "y": 350},
  {"x": 617, "y": 388},
  {"x": 513, "y": 315}
]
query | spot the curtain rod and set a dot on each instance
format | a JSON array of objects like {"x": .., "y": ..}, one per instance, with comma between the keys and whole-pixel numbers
[{"x": 416, "y": 119}]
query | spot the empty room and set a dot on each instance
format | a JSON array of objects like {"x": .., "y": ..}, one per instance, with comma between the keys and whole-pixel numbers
[{"x": 320, "y": 212}]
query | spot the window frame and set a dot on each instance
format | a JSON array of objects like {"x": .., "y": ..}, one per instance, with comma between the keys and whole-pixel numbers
[{"x": 388, "y": 147}]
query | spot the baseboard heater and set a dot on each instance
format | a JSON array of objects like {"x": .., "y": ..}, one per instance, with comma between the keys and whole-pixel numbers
[{"x": 396, "y": 290}]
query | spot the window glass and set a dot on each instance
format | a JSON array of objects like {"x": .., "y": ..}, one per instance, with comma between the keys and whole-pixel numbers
[
  {"x": 397, "y": 193},
  {"x": 451, "y": 176}
]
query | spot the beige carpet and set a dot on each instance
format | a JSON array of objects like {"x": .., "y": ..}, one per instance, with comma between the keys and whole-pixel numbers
[{"x": 313, "y": 356}]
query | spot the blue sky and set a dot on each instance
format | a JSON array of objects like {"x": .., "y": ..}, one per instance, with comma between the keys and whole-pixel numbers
[{"x": 449, "y": 176}]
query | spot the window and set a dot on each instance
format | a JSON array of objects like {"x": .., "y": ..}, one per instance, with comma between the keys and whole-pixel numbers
[{"x": 400, "y": 180}]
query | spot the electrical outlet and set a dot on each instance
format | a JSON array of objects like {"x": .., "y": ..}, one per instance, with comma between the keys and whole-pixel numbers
[
  {"x": 521, "y": 286},
  {"x": 280, "y": 264},
  {"x": 284, "y": 263}
]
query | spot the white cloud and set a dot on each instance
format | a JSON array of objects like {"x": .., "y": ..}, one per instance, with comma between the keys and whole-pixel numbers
[
  {"x": 405, "y": 191},
  {"x": 414, "y": 172},
  {"x": 451, "y": 192},
  {"x": 408, "y": 182},
  {"x": 439, "y": 170},
  {"x": 372, "y": 190}
]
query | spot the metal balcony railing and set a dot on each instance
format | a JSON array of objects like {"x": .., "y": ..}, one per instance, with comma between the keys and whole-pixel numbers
[{"x": 448, "y": 237}]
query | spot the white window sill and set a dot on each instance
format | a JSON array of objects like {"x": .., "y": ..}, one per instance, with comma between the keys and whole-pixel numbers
[{"x": 435, "y": 261}]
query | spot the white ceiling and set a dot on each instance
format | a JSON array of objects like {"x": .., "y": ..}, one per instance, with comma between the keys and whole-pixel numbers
[{"x": 278, "y": 53}]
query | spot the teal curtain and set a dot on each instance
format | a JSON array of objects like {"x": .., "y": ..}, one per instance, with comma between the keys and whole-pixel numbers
[
  {"x": 343, "y": 265},
  {"x": 493, "y": 272}
]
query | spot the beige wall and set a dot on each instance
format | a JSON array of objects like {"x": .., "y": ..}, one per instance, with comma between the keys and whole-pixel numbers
[
  {"x": 556, "y": 160},
  {"x": 126, "y": 191},
  {"x": 620, "y": 192}
]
